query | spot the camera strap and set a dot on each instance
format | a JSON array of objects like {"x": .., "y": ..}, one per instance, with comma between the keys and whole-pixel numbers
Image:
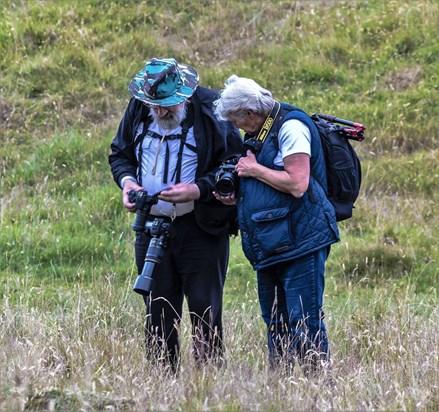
[
  {"x": 188, "y": 122},
  {"x": 255, "y": 143}
]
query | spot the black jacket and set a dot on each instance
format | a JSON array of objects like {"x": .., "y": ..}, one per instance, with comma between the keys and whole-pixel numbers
[{"x": 216, "y": 141}]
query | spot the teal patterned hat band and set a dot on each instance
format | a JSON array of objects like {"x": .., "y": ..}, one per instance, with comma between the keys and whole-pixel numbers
[{"x": 164, "y": 82}]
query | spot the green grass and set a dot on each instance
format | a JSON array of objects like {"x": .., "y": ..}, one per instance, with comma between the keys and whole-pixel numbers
[{"x": 70, "y": 325}]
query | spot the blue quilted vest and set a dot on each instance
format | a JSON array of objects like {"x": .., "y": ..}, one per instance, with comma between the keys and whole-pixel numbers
[{"x": 277, "y": 227}]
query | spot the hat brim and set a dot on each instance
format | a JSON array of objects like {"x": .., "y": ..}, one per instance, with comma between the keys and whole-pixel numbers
[{"x": 190, "y": 83}]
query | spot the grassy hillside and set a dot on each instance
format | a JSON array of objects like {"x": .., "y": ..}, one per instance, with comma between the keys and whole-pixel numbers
[{"x": 70, "y": 326}]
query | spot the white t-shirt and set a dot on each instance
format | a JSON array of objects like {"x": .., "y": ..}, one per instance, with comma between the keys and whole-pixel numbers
[
  {"x": 294, "y": 137},
  {"x": 153, "y": 166}
]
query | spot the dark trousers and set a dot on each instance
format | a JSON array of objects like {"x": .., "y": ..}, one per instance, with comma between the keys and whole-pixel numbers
[{"x": 194, "y": 266}]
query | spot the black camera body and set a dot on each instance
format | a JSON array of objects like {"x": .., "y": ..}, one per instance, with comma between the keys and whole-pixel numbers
[
  {"x": 226, "y": 178},
  {"x": 160, "y": 229},
  {"x": 143, "y": 202}
]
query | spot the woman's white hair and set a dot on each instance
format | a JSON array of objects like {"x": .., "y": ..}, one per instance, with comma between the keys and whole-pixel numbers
[{"x": 241, "y": 95}]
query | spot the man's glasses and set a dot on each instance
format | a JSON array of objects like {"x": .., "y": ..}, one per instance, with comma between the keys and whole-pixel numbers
[{"x": 167, "y": 108}]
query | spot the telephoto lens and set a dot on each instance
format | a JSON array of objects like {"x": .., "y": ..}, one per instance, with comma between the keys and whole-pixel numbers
[
  {"x": 154, "y": 256},
  {"x": 161, "y": 230}
]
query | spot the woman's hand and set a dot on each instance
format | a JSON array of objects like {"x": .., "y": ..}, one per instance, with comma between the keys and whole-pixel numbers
[
  {"x": 229, "y": 200},
  {"x": 247, "y": 166}
]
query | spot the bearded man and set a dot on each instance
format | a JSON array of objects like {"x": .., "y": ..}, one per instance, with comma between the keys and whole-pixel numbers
[{"x": 170, "y": 142}]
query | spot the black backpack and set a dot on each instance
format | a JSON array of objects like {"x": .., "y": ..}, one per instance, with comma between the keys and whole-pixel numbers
[{"x": 343, "y": 167}]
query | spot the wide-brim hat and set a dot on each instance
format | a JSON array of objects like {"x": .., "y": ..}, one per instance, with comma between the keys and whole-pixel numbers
[{"x": 164, "y": 82}]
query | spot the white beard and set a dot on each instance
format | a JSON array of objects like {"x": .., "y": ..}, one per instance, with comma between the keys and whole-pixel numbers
[{"x": 171, "y": 120}]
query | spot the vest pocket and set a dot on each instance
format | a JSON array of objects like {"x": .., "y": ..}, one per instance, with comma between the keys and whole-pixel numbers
[{"x": 272, "y": 230}]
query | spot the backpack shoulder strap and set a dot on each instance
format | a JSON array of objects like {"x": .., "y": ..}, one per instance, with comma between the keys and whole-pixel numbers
[{"x": 291, "y": 112}]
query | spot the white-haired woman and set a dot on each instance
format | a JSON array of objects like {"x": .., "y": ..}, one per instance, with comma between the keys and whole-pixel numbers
[{"x": 287, "y": 224}]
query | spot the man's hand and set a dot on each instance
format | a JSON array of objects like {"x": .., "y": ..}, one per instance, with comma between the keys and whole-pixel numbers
[
  {"x": 129, "y": 185},
  {"x": 180, "y": 193}
]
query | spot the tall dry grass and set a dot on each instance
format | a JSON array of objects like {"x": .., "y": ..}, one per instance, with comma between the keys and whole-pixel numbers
[{"x": 83, "y": 350}]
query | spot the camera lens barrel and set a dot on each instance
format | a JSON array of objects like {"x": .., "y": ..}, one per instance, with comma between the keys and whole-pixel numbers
[
  {"x": 154, "y": 256},
  {"x": 144, "y": 281},
  {"x": 143, "y": 202},
  {"x": 225, "y": 186},
  {"x": 140, "y": 220},
  {"x": 226, "y": 178}
]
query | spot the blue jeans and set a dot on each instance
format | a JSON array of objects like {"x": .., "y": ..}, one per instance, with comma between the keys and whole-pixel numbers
[{"x": 291, "y": 300}]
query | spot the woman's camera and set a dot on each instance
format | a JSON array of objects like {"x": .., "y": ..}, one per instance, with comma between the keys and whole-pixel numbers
[{"x": 226, "y": 178}]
